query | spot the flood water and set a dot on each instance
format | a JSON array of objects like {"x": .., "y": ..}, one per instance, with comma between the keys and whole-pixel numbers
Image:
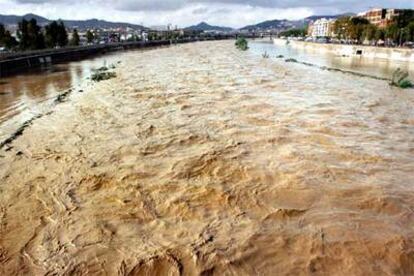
[
  {"x": 27, "y": 95},
  {"x": 375, "y": 67},
  {"x": 207, "y": 160}
]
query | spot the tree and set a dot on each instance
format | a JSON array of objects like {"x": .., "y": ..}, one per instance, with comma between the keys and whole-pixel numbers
[
  {"x": 30, "y": 35},
  {"x": 242, "y": 44},
  {"x": 294, "y": 33},
  {"x": 356, "y": 28},
  {"x": 341, "y": 27},
  {"x": 369, "y": 32},
  {"x": 379, "y": 34},
  {"x": 75, "y": 38},
  {"x": 56, "y": 35},
  {"x": 410, "y": 31},
  {"x": 404, "y": 19},
  {"x": 6, "y": 39},
  {"x": 62, "y": 38},
  {"x": 392, "y": 33},
  {"x": 2, "y": 31},
  {"x": 89, "y": 36}
]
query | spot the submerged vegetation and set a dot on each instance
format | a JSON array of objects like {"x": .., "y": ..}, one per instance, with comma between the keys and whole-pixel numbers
[
  {"x": 102, "y": 74},
  {"x": 242, "y": 44},
  {"x": 291, "y": 60},
  {"x": 400, "y": 79}
]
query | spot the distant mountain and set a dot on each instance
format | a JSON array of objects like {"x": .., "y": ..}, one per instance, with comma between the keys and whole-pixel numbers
[
  {"x": 14, "y": 19},
  {"x": 95, "y": 23},
  {"x": 275, "y": 25},
  {"x": 203, "y": 26},
  {"x": 79, "y": 24},
  {"x": 289, "y": 24}
]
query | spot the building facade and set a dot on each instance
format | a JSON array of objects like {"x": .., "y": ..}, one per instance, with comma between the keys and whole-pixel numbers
[
  {"x": 322, "y": 28},
  {"x": 381, "y": 17}
]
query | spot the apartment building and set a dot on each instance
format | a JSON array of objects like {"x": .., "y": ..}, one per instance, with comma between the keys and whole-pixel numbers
[
  {"x": 381, "y": 17},
  {"x": 322, "y": 28}
]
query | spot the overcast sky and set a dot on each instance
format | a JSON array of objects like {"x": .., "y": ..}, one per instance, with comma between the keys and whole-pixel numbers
[{"x": 233, "y": 13}]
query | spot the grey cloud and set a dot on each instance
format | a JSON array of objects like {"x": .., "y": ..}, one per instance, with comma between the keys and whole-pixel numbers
[
  {"x": 168, "y": 5},
  {"x": 148, "y": 5},
  {"x": 200, "y": 11}
]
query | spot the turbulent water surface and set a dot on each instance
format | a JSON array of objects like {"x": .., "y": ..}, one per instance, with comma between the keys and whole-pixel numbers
[
  {"x": 33, "y": 93},
  {"x": 382, "y": 68},
  {"x": 205, "y": 159}
]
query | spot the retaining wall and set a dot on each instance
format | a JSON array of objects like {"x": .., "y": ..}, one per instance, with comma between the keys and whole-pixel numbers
[{"x": 397, "y": 54}]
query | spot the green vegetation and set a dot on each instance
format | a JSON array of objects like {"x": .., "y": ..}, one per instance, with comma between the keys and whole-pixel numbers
[
  {"x": 30, "y": 35},
  {"x": 359, "y": 30},
  {"x": 75, "y": 38},
  {"x": 294, "y": 33},
  {"x": 352, "y": 28},
  {"x": 90, "y": 37},
  {"x": 242, "y": 44},
  {"x": 56, "y": 35},
  {"x": 399, "y": 79},
  {"x": 6, "y": 39},
  {"x": 102, "y": 74}
]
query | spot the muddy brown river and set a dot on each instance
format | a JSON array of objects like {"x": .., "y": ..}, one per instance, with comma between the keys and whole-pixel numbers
[{"x": 200, "y": 159}]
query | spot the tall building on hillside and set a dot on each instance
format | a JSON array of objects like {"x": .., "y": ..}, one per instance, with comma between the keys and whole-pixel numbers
[
  {"x": 322, "y": 28},
  {"x": 381, "y": 17}
]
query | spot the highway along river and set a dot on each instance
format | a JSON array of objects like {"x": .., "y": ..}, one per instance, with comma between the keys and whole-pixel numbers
[{"x": 203, "y": 159}]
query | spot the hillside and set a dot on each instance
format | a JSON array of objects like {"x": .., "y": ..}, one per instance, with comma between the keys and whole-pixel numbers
[
  {"x": 284, "y": 24},
  {"x": 203, "y": 26},
  {"x": 9, "y": 20},
  {"x": 275, "y": 24}
]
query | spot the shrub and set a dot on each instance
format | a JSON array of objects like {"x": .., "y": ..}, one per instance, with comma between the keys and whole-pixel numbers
[
  {"x": 242, "y": 44},
  {"x": 291, "y": 60},
  {"x": 399, "y": 79},
  {"x": 102, "y": 69},
  {"x": 406, "y": 84},
  {"x": 102, "y": 75}
]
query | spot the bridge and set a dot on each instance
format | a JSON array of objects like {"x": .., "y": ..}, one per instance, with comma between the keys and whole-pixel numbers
[{"x": 11, "y": 63}]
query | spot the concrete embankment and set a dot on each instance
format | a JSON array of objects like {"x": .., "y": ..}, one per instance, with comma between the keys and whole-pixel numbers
[
  {"x": 18, "y": 62},
  {"x": 396, "y": 54}
]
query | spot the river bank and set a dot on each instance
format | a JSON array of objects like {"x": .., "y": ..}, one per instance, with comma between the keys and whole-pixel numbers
[
  {"x": 391, "y": 54},
  {"x": 206, "y": 159}
]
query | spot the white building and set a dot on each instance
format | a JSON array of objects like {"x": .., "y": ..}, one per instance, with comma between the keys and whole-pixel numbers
[
  {"x": 162, "y": 28},
  {"x": 323, "y": 27}
]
